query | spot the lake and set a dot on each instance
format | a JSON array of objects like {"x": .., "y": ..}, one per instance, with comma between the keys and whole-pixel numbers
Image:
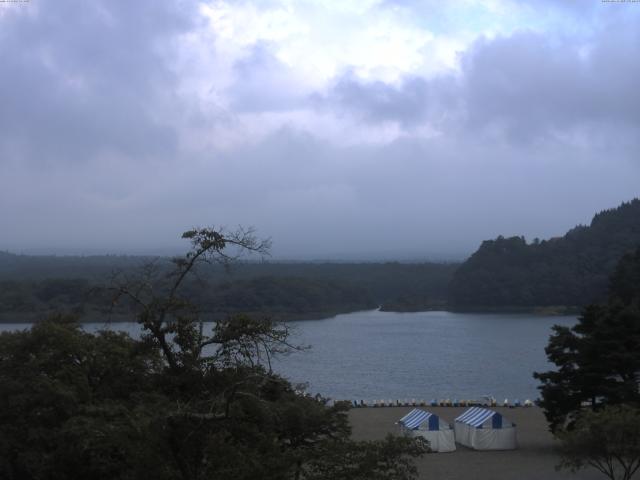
[
  {"x": 425, "y": 355},
  {"x": 385, "y": 355}
]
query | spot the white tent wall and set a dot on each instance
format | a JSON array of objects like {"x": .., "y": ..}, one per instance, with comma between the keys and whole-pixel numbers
[
  {"x": 419, "y": 423},
  {"x": 486, "y": 436},
  {"x": 493, "y": 439},
  {"x": 439, "y": 441},
  {"x": 462, "y": 433}
]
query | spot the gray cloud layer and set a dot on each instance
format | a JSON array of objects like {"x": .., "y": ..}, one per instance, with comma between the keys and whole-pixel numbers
[
  {"x": 532, "y": 135},
  {"x": 81, "y": 78},
  {"x": 524, "y": 86}
]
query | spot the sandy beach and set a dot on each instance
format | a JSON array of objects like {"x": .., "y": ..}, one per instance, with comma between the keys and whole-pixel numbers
[{"x": 534, "y": 459}]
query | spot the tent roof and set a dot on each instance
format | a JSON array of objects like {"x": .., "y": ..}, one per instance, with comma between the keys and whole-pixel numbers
[
  {"x": 476, "y": 416},
  {"x": 414, "y": 418}
]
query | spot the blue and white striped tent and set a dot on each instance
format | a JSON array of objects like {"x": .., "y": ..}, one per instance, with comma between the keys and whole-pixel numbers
[
  {"x": 476, "y": 417},
  {"x": 484, "y": 429},
  {"x": 420, "y": 423},
  {"x": 417, "y": 417}
]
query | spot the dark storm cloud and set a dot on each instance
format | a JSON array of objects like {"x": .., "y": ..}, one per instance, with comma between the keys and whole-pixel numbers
[{"x": 86, "y": 77}]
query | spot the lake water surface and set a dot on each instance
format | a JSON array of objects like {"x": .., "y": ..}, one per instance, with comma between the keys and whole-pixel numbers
[
  {"x": 425, "y": 355},
  {"x": 384, "y": 355}
]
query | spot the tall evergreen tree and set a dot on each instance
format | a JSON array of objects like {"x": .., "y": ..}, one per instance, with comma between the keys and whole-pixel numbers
[{"x": 598, "y": 359}]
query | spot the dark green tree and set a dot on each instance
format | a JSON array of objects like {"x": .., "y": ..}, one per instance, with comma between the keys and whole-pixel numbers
[
  {"x": 598, "y": 359},
  {"x": 76, "y": 405},
  {"x": 567, "y": 271},
  {"x": 182, "y": 402},
  {"x": 607, "y": 440}
]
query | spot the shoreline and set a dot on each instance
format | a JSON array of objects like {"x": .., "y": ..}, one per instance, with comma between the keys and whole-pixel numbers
[
  {"x": 28, "y": 318},
  {"x": 543, "y": 311}
]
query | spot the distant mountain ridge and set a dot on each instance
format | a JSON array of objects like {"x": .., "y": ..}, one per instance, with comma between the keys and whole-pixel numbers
[{"x": 572, "y": 270}]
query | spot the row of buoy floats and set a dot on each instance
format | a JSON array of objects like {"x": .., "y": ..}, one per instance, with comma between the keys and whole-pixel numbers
[{"x": 441, "y": 403}]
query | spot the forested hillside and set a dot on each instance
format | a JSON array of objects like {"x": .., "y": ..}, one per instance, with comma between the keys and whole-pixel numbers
[
  {"x": 32, "y": 287},
  {"x": 572, "y": 270}
]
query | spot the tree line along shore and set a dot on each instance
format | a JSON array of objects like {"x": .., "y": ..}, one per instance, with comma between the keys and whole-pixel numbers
[{"x": 505, "y": 275}]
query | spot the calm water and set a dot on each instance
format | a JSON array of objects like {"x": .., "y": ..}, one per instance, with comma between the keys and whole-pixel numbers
[{"x": 382, "y": 355}]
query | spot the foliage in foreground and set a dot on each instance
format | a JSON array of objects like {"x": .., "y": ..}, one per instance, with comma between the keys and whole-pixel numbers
[
  {"x": 608, "y": 440},
  {"x": 180, "y": 403},
  {"x": 598, "y": 359}
]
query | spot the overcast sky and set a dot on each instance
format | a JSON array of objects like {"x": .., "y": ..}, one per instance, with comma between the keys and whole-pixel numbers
[{"x": 339, "y": 128}]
